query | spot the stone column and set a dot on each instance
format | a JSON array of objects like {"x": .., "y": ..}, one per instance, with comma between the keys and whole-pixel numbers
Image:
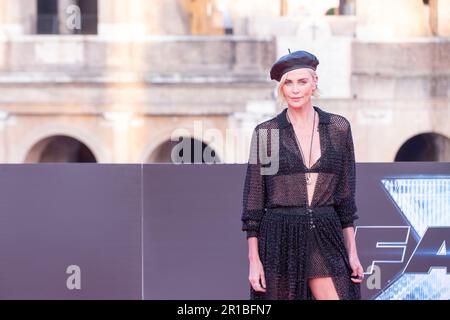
[
  {"x": 433, "y": 16},
  {"x": 162, "y": 11},
  {"x": 120, "y": 125},
  {"x": 69, "y": 16},
  {"x": 284, "y": 9},
  {"x": 385, "y": 19},
  {"x": 13, "y": 18},
  {"x": 122, "y": 18},
  {"x": 440, "y": 17},
  {"x": 199, "y": 17}
]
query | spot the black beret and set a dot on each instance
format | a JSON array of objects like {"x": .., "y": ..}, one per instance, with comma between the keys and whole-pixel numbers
[{"x": 292, "y": 61}]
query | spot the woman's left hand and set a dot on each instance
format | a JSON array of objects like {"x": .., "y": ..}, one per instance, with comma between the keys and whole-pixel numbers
[{"x": 358, "y": 271}]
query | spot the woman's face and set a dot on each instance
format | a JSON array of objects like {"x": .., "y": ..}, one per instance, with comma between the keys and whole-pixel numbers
[{"x": 298, "y": 87}]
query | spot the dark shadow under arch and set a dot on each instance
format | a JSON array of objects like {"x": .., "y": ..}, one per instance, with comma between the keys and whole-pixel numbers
[
  {"x": 60, "y": 148},
  {"x": 425, "y": 147}
]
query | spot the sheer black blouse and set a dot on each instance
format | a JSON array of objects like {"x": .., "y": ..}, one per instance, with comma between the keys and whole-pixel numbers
[{"x": 275, "y": 175}]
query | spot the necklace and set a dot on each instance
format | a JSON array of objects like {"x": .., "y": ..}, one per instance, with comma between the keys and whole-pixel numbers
[{"x": 308, "y": 174}]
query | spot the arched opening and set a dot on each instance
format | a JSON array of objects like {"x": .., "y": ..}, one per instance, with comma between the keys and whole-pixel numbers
[
  {"x": 47, "y": 17},
  {"x": 185, "y": 150},
  {"x": 60, "y": 149},
  {"x": 425, "y": 147},
  {"x": 54, "y": 17},
  {"x": 89, "y": 16}
]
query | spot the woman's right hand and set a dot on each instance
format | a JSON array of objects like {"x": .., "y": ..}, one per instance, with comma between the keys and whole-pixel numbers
[{"x": 256, "y": 276}]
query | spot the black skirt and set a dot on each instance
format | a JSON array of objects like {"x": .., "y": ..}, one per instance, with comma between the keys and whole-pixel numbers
[{"x": 298, "y": 243}]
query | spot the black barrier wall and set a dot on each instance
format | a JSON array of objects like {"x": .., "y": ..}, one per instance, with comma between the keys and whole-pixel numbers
[
  {"x": 162, "y": 231},
  {"x": 70, "y": 231}
]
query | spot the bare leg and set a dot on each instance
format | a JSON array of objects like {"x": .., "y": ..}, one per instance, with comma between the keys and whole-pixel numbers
[{"x": 323, "y": 288}]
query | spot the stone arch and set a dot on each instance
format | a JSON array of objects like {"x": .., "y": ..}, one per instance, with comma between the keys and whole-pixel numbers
[
  {"x": 162, "y": 154},
  {"x": 165, "y": 136},
  {"x": 60, "y": 148},
  {"x": 429, "y": 146},
  {"x": 100, "y": 153}
]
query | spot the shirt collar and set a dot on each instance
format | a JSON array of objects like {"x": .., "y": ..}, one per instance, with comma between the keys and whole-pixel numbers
[{"x": 324, "y": 117}]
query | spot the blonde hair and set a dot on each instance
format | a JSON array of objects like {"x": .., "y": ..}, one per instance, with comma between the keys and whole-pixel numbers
[{"x": 281, "y": 99}]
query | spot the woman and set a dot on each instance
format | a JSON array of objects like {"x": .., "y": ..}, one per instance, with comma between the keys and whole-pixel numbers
[{"x": 299, "y": 209}]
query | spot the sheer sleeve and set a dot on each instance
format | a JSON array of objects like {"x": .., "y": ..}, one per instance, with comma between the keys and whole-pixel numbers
[
  {"x": 345, "y": 193},
  {"x": 254, "y": 194}
]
